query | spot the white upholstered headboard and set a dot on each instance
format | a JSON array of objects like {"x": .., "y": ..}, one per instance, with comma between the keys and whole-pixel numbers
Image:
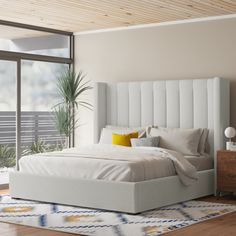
[{"x": 199, "y": 103}]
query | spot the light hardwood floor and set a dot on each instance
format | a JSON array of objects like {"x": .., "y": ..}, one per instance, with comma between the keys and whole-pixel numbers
[{"x": 223, "y": 226}]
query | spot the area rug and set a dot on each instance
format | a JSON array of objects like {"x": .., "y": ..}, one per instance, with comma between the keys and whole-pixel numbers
[{"x": 104, "y": 223}]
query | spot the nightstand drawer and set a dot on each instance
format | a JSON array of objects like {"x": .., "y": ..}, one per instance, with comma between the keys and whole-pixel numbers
[
  {"x": 231, "y": 159},
  {"x": 226, "y": 171},
  {"x": 226, "y": 179},
  {"x": 226, "y": 168}
]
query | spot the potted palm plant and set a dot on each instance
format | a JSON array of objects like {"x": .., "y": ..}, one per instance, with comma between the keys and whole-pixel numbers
[{"x": 71, "y": 87}]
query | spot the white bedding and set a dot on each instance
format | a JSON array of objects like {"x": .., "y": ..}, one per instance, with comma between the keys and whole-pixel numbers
[
  {"x": 204, "y": 162},
  {"x": 111, "y": 162}
]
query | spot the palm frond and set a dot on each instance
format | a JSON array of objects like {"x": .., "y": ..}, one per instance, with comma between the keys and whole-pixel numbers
[
  {"x": 86, "y": 105},
  {"x": 63, "y": 121},
  {"x": 71, "y": 87}
]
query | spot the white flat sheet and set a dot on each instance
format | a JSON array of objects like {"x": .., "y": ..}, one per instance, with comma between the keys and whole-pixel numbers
[{"x": 110, "y": 162}]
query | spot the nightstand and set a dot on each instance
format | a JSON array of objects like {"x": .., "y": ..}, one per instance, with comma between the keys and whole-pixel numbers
[{"x": 226, "y": 171}]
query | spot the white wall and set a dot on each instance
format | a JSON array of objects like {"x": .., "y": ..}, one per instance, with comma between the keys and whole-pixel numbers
[{"x": 184, "y": 51}]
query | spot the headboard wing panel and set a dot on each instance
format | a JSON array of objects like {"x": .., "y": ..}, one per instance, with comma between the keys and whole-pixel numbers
[{"x": 199, "y": 103}]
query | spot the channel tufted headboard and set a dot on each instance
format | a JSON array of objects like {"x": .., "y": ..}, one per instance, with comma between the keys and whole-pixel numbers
[{"x": 199, "y": 103}]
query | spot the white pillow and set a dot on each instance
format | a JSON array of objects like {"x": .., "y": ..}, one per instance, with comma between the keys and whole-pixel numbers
[
  {"x": 185, "y": 141},
  {"x": 106, "y": 134}
]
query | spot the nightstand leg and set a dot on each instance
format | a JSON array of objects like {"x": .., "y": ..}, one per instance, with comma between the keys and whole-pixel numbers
[{"x": 217, "y": 193}]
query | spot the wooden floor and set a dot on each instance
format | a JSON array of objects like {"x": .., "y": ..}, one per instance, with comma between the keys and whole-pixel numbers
[{"x": 223, "y": 226}]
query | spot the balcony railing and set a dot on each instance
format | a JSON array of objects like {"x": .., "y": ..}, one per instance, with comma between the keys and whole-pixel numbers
[{"x": 35, "y": 125}]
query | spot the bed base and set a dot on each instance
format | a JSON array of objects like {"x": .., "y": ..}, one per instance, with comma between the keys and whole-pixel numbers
[{"x": 130, "y": 197}]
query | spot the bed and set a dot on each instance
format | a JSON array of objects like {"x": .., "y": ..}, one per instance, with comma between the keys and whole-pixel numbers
[
  {"x": 109, "y": 162},
  {"x": 200, "y": 103}
]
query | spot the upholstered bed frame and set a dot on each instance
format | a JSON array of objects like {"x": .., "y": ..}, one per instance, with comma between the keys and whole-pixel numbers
[{"x": 196, "y": 103}]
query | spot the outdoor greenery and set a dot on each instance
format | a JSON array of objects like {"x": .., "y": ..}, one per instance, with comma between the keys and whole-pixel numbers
[
  {"x": 7, "y": 156},
  {"x": 40, "y": 146},
  {"x": 71, "y": 87}
]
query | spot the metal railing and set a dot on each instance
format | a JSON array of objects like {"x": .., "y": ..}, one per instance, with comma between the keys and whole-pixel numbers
[{"x": 38, "y": 125}]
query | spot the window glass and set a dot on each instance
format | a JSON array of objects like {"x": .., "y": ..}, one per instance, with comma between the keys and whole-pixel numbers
[
  {"x": 39, "y": 95},
  {"x": 35, "y": 42},
  {"x": 7, "y": 118}
]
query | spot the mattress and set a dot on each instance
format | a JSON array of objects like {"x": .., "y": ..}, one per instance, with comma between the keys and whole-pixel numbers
[{"x": 113, "y": 163}]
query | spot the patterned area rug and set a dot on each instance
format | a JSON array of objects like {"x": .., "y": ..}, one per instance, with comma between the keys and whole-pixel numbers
[{"x": 104, "y": 223}]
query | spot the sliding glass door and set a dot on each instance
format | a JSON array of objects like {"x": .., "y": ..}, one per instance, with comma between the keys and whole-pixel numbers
[
  {"x": 8, "y": 99},
  {"x": 28, "y": 94},
  {"x": 31, "y": 58},
  {"x": 38, "y": 98}
]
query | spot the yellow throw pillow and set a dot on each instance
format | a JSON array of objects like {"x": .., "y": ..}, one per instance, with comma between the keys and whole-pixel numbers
[{"x": 123, "y": 139}]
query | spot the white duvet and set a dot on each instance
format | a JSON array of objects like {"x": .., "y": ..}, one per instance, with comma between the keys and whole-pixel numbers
[{"x": 111, "y": 162}]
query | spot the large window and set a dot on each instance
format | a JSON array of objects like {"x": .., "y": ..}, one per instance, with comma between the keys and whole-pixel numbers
[
  {"x": 38, "y": 85},
  {"x": 15, "y": 39},
  {"x": 31, "y": 58},
  {"x": 39, "y": 97},
  {"x": 7, "y": 118}
]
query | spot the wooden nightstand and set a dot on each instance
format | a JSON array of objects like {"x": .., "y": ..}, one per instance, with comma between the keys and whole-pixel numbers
[{"x": 226, "y": 171}]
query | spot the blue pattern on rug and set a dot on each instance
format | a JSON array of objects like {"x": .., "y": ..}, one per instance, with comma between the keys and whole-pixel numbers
[
  {"x": 105, "y": 223},
  {"x": 42, "y": 220},
  {"x": 54, "y": 207}
]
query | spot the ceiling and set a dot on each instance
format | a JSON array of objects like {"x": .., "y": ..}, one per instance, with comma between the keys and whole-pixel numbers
[{"x": 84, "y": 15}]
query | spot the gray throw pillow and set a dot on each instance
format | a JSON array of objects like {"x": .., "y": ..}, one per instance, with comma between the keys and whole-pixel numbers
[{"x": 145, "y": 142}]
